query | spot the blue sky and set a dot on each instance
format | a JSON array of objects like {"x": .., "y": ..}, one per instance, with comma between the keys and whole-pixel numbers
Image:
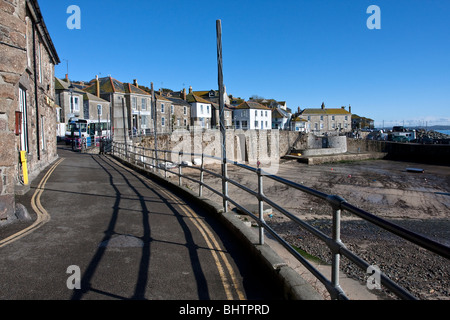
[{"x": 304, "y": 52}]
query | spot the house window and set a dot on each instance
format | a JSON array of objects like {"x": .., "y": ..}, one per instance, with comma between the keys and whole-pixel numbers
[
  {"x": 256, "y": 124},
  {"x": 321, "y": 118},
  {"x": 238, "y": 124},
  {"x": 144, "y": 122},
  {"x": 185, "y": 122},
  {"x": 99, "y": 110},
  {"x": 184, "y": 110},
  {"x": 256, "y": 112},
  {"x": 321, "y": 126},
  {"x": 163, "y": 121},
  {"x": 75, "y": 104},
  {"x": 266, "y": 114},
  {"x": 134, "y": 103},
  {"x": 24, "y": 123},
  {"x": 244, "y": 124},
  {"x": 267, "y": 125},
  {"x": 332, "y": 118},
  {"x": 162, "y": 108},
  {"x": 262, "y": 113},
  {"x": 171, "y": 109},
  {"x": 201, "y": 109},
  {"x": 207, "y": 109},
  {"x": 144, "y": 104}
]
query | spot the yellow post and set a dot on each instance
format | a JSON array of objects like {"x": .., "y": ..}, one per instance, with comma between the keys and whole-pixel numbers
[{"x": 23, "y": 159}]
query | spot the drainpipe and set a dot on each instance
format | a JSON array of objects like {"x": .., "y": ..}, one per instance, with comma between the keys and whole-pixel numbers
[{"x": 36, "y": 96}]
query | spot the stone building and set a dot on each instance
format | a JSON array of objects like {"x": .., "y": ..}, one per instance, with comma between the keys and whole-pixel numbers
[
  {"x": 130, "y": 106},
  {"x": 164, "y": 112},
  {"x": 71, "y": 100},
  {"x": 180, "y": 110},
  {"x": 98, "y": 110},
  {"x": 27, "y": 99},
  {"x": 326, "y": 120}
]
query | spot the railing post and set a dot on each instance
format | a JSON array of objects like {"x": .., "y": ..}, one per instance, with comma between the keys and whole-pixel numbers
[
  {"x": 153, "y": 160},
  {"x": 225, "y": 185},
  {"x": 165, "y": 161},
  {"x": 200, "y": 189},
  {"x": 260, "y": 206},
  {"x": 336, "y": 236},
  {"x": 144, "y": 159},
  {"x": 179, "y": 167}
]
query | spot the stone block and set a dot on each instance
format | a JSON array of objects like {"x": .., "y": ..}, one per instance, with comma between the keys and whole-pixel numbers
[
  {"x": 7, "y": 7},
  {"x": 7, "y": 91},
  {"x": 7, "y": 206},
  {"x": 7, "y": 145},
  {"x": 13, "y": 60}
]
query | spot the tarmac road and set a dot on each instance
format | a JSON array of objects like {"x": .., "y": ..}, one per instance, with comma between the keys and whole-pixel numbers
[{"x": 117, "y": 235}]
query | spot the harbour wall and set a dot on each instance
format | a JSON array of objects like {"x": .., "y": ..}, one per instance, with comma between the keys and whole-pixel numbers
[
  {"x": 411, "y": 152},
  {"x": 268, "y": 146}
]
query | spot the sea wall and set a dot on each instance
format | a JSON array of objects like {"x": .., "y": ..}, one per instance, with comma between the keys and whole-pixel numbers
[{"x": 412, "y": 152}]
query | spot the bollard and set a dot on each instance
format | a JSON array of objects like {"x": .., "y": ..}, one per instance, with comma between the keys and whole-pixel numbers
[{"x": 23, "y": 159}]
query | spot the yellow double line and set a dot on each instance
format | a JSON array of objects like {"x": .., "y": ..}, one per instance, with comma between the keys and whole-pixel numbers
[
  {"x": 42, "y": 216},
  {"x": 210, "y": 240}
]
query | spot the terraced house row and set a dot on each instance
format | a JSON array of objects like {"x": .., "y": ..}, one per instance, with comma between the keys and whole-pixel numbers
[{"x": 132, "y": 109}]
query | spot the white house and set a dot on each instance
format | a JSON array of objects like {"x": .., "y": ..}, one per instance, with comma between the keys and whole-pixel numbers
[
  {"x": 201, "y": 111},
  {"x": 252, "y": 115},
  {"x": 280, "y": 118}
]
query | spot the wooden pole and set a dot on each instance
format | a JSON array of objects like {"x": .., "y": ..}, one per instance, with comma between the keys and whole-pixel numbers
[
  {"x": 155, "y": 122},
  {"x": 222, "y": 115}
]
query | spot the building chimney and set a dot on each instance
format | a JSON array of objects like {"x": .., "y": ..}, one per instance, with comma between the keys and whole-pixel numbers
[
  {"x": 97, "y": 86},
  {"x": 350, "y": 108},
  {"x": 67, "y": 77},
  {"x": 323, "y": 105},
  {"x": 190, "y": 89},
  {"x": 184, "y": 94},
  {"x": 135, "y": 83}
]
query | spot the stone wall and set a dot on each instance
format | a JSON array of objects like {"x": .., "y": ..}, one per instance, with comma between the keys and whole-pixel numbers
[
  {"x": 248, "y": 146},
  {"x": 411, "y": 152},
  {"x": 13, "y": 62},
  {"x": 22, "y": 69}
]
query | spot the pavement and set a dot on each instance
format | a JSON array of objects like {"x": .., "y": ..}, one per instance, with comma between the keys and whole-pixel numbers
[{"x": 101, "y": 231}]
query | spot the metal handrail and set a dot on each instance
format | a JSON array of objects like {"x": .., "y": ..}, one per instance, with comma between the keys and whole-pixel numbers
[{"x": 128, "y": 152}]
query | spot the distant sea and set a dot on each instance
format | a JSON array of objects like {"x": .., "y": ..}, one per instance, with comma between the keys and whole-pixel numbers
[{"x": 444, "y": 131}]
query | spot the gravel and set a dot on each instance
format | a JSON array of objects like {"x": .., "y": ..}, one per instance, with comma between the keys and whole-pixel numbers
[{"x": 426, "y": 275}]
